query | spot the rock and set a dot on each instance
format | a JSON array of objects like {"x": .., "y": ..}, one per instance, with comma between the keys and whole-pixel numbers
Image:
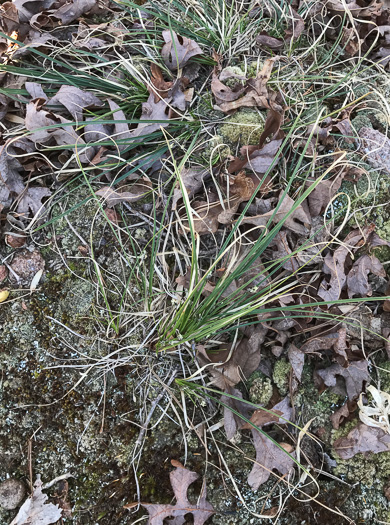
[
  {"x": 25, "y": 265},
  {"x": 12, "y": 492}
]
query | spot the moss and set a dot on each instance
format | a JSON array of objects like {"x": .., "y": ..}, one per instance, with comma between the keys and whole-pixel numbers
[
  {"x": 244, "y": 127},
  {"x": 280, "y": 375},
  {"x": 261, "y": 391},
  {"x": 217, "y": 149},
  {"x": 310, "y": 404}
]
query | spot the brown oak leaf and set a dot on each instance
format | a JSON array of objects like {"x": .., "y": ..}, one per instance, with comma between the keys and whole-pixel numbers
[{"x": 180, "y": 478}]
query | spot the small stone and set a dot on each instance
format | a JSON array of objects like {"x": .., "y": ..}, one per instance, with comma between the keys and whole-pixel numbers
[
  {"x": 25, "y": 265},
  {"x": 12, "y": 492}
]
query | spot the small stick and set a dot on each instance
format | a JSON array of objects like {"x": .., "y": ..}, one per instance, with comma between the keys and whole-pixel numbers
[
  {"x": 104, "y": 402},
  {"x": 29, "y": 459}
]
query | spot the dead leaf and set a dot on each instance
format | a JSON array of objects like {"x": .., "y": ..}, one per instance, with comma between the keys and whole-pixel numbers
[
  {"x": 4, "y": 294},
  {"x": 339, "y": 415},
  {"x": 31, "y": 200},
  {"x": 280, "y": 413},
  {"x": 137, "y": 192},
  {"x": 297, "y": 359},
  {"x": 223, "y": 93},
  {"x": 296, "y": 222},
  {"x": 232, "y": 422},
  {"x": 263, "y": 39},
  {"x": 244, "y": 360},
  {"x": 28, "y": 8},
  {"x": 355, "y": 375},
  {"x": 335, "y": 264},
  {"x": 296, "y": 28},
  {"x": 357, "y": 278},
  {"x": 122, "y": 132},
  {"x": 178, "y": 52},
  {"x": 35, "y": 510},
  {"x": 34, "y": 40},
  {"x": 323, "y": 193},
  {"x": 180, "y": 478},
  {"x": 151, "y": 111},
  {"x": 257, "y": 93},
  {"x": 75, "y": 100},
  {"x": 9, "y": 18},
  {"x": 261, "y": 159},
  {"x": 192, "y": 179},
  {"x": 268, "y": 457},
  {"x": 72, "y": 10},
  {"x": 15, "y": 241},
  {"x": 362, "y": 440},
  {"x": 373, "y": 9}
]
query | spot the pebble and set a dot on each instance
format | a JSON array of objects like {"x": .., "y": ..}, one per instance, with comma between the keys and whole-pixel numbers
[{"x": 12, "y": 492}]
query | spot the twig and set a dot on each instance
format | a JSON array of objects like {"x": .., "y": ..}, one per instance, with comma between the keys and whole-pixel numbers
[{"x": 104, "y": 402}]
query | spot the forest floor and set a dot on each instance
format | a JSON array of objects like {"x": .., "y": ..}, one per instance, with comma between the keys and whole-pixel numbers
[{"x": 195, "y": 239}]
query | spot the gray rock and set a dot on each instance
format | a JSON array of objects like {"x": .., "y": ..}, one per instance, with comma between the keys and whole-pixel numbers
[{"x": 12, "y": 492}]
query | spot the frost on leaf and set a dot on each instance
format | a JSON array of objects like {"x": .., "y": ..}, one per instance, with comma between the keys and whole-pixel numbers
[
  {"x": 35, "y": 510},
  {"x": 180, "y": 478}
]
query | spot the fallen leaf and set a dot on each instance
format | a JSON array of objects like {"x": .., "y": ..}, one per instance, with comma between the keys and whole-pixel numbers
[
  {"x": 261, "y": 159},
  {"x": 9, "y": 18},
  {"x": 244, "y": 360},
  {"x": 361, "y": 440},
  {"x": 232, "y": 422},
  {"x": 355, "y": 375},
  {"x": 31, "y": 200},
  {"x": 297, "y": 359},
  {"x": 257, "y": 93},
  {"x": 339, "y": 415},
  {"x": 75, "y": 100},
  {"x": 295, "y": 222},
  {"x": 35, "y": 510},
  {"x": 335, "y": 264},
  {"x": 15, "y": 241},
  {"x": 357, "y": 278},
  {"x": 28, "y": 8},
  {"x": 137, "y": 192},
  {"x": 280, "y": 413},
  {"x": 268, "y": 457},
  {"x": 296, "y": 28},
  {"x": 72, "y": 10},
  {"x": 192, "y": 179},
  {"x": 322, "y": 194},
  {"x": 264, "y": 39},
  {"x": 180, "y": 478},
  {"x": 374, "y": 8},
  {"x": 34, "y": 40},
  {"x": 178, "y": 52},
  {"x": 4, "y": 294},
  {"x": 223, "y": 93}
]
